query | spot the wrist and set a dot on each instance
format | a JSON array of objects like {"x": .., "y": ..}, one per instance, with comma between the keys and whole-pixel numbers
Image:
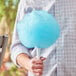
[
  {"x": 27, "y": 64},
  {"x": 23, "y": 60}
]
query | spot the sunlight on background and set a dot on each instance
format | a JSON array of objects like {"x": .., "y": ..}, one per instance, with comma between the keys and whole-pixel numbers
[{"x": 8, "y": 9}]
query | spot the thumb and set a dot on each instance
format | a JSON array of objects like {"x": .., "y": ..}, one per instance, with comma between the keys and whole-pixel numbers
[{"x": 42, "y": 58}]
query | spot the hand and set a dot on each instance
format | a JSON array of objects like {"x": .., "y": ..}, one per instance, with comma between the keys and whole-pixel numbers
[
  {"x": 36, "y": 66},
  {"x": 33, "y": 65}
]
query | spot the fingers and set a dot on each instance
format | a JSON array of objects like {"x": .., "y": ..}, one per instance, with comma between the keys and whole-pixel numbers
[
  {"x": 37, "y": 61},
  {"x": 37, "y": 69},
  {"x": 37, "y": 66},
  {"x": 42, "y": 58},
  {"x": 38, "y": 72}
]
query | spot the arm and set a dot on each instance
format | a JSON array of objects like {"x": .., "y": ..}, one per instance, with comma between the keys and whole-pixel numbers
[
  {"x": 33, "y": 65},
  {"x": 19, "y": 53},
  {"x": 16, "y": 46}
]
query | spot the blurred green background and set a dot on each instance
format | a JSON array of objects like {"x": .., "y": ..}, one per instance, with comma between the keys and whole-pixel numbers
[{"x": 8, "y": 10}]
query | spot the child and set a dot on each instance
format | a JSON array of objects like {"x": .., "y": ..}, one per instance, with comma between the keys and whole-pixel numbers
[{"x": 64, "y": 11}]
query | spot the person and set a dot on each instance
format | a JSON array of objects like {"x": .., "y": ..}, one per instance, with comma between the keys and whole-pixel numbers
[{"x": 57, "y": 60}]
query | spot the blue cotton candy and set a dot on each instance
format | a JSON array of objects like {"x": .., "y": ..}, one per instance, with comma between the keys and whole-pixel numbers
[{"x": 39, "y": 29}]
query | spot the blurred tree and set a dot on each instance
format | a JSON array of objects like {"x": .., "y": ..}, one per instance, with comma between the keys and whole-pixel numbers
[{"x": 8, "y": 10}]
